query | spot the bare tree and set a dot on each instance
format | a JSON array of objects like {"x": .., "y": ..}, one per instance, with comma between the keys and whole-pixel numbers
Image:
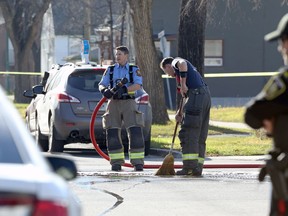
[
  {"x": 87, "y": 22},
  {"x": 192, "y": 32},
  {"x": 124, "y": 3},
  {"x": 147, "y": 58},
  {"x": 111, "y": 22},
  {"x": 192, "y": 23},
  {"x": 23, "y": 21}
]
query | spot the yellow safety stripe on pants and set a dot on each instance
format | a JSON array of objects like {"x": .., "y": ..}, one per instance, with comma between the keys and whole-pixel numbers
[
  {"x": 115, "y": 156},
  {"x": 190, "y": 156},
  {"x": 131, "y": 93},
  {"x": 138, "y": 155},
  {"x": 201, "y": 160}
]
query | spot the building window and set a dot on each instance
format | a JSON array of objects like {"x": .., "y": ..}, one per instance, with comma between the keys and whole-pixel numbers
[{"x": 213, "y": 53}]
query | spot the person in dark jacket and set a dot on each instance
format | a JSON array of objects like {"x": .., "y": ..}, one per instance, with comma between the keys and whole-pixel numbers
[{"x": 269, "y": 110}]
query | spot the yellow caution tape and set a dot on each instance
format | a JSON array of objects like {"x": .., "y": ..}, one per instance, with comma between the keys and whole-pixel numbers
[
  {"x": 236, "y": 74},
  {"x": 241, "y": 74},
  {"x": 20, "y": 73},
  {"x": 210, "y": 75}
]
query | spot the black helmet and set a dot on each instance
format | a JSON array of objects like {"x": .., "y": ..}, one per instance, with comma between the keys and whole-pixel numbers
[{"x": 271, "y": 101}]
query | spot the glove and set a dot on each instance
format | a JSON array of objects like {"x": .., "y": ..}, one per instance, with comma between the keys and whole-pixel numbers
[
  {"x": 121, "y": 91},
  {"x": 107, "y": 93}
]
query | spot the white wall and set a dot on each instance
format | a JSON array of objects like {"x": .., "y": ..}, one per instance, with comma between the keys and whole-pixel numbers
[
  {"x": 61, "y": 48},
  {"x": 47, "y": 41}
]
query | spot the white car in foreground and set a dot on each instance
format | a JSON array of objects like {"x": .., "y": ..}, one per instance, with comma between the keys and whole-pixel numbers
[{"x": 31, "y": 184}]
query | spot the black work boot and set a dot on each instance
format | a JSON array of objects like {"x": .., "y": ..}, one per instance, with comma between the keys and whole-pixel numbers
[
  {"x": 189, "y": 172},
  {"x": 116, "y": 167},
  {"x": 138, "y": 167},
  {"x": 200, "y": 168}
]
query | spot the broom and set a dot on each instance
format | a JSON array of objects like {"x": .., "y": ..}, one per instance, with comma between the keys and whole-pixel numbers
[{"x": 167, "y": 167}]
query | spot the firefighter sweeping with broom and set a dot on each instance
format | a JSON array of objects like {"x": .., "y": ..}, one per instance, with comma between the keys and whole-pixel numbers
[{"x": 195, "y": 116}]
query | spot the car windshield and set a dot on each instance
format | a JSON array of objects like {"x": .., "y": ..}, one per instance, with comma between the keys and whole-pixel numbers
[
  {"x": 87, "y": 80},
  {"x": 8, "y": 150}
]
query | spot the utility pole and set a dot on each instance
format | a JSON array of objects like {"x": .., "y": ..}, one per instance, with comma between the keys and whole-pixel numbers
[
  {"x": 87, "y": 22},
  {"x": 124, "y": 5},
  {"x": 111, "y": 30}
]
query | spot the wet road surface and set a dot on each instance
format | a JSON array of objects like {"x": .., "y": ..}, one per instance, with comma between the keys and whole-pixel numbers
[{"x": 219, "y": 192}]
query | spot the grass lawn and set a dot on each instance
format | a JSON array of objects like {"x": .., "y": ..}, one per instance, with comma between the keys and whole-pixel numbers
[
  {"x": 21, "y": 108},
  {"x": 221, "y": 141},
  {"x": 227, "y": 114}
]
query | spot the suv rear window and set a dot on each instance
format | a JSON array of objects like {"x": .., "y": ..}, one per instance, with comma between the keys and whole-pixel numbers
[{"x": 86, "y": 80}]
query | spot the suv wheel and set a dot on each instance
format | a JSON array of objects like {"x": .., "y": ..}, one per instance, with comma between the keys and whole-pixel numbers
[
  {"x": 54, "y": 144},
  {"x": 41, "y": 139}
]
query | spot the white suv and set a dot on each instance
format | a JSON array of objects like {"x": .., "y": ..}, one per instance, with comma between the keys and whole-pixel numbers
[{"x": 28, "y": 183}]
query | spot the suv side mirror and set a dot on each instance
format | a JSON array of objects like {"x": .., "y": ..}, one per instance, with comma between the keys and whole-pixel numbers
[
  {"x": 29, "y": 93},
  {"x": 38, "y": 89},
  {"x": 63, "y": 166},
  {"x": 32, "y": 93}
]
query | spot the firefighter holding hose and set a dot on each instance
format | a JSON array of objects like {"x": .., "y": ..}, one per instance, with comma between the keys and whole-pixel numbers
[
  {"x": 122, "y": 107},
  {"x": 269, "y": 110}
]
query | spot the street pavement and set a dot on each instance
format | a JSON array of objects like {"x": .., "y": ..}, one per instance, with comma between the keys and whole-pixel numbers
[
  {"x": 118, "y": 193},
  {"x": 104, "y": 192}
]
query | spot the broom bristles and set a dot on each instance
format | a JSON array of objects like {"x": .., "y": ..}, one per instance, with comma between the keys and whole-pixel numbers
[{"x": 167, "y": 167}]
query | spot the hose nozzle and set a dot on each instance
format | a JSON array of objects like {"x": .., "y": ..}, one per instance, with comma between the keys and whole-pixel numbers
[{"x": 122, "y": 82}]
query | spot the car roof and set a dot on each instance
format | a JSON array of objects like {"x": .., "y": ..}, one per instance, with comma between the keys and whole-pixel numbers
[
  {"x": 69, "y": 68},
  {"x": 84, "y": 66}
]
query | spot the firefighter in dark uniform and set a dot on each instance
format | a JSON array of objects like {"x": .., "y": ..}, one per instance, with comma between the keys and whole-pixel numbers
[
  {"x": 122, "y": 108},
  {"x": 196, "y": 113},
  {"x": 269, "y": 110}
]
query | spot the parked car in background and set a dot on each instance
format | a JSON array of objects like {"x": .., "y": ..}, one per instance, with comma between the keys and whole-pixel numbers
[
  {"x": 29, "y": 184},
  {"x": 61, "y": 109}
]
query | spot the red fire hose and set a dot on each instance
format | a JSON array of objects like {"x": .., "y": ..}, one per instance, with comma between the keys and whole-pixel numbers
[{"x": 154, "y": 166}]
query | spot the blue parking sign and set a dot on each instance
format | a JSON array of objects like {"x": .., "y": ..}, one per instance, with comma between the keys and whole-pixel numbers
[{"x": 85, "y": 51}]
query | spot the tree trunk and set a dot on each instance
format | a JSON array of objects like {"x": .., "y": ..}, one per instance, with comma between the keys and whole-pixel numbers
[
  {"x": 111, "y": 21},
  {"x": 87, "y": 22},
  {"x": 147, "y": 58},
  {"x": 124, "y": 5},
  {"x": 23, "y": 21},
  {"x": 192, "y": 32}
]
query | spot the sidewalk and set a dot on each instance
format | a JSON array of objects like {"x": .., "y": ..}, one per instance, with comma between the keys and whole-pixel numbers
[{"x": 236, "y": 125}]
